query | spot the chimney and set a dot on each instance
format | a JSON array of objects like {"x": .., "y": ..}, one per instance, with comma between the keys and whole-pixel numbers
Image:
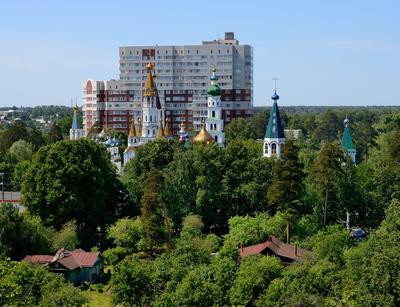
[
  {"x": 229, "y": 35},
  {"x": 295, "y": 250}
]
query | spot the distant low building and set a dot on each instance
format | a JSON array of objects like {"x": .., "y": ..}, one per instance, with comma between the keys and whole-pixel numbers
[
  {"x": 77, "y": 266},
  {"x": 274, "y": 247},
  {"x": 293, "y": 133}
]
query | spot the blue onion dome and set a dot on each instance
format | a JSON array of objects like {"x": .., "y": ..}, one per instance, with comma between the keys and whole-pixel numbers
[
  {"x": 214, "y": 76},
  {"x": 275, "y": 96}
]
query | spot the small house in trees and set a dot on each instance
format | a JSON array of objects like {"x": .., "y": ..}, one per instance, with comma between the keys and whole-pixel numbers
[
  {"x": 274, "y": 247},
  {"x": 77, "y": 265}
]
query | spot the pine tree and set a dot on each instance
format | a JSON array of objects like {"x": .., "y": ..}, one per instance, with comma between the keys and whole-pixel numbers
[
  {"x": 55, "y": 134},
  {"x": 287, "y": 186},
  {"x": 326, "y": 171},
  {"x": 154, "y": 215}
]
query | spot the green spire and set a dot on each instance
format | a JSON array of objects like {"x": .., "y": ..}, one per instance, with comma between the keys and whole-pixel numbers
[
  {"x": 347, "y": 141},
  {"x": 274, "y": 127}
]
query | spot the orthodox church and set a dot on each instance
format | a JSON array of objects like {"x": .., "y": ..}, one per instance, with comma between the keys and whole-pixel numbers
[
  {"x": 347, "y": 141},
  {"x": 150, "y": 124},
  {"x": 274, "y": 138}
]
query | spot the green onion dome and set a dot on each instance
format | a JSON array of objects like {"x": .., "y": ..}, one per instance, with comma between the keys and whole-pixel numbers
[{"x": 214, "y": 90}]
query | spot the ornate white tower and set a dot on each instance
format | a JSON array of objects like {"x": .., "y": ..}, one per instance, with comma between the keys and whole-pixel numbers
[
  {"x": 274, "y": 138},
  {"x": 214, "y": 122},
  {"x": 75, "y": 133},
  {"x": 150, "y": 116}
]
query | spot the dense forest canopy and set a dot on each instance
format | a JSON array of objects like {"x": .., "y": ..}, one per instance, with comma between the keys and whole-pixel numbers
[{"x": 171, "y": 226}]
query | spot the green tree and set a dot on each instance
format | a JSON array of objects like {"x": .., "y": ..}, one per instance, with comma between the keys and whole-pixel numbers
[
  {"x": 254, "y": 275},
  {"x": 326, "y": 170},
  {"x": 126, "y": 232},
  {"x": 286, "y": 189},
  {"x": 258, "y": 123},
  {"x": 68, "y": 179},
  {"x": 66, "y": 237},
  {"x": 17, "y": 131},
  {"x": 154, "y": 214},
  {"x": 21, "y": 151},
  {"x": 157, "y": 154},
  {"x": 55, "y": 133},
  {"x": 131, "y": 283},
  {"x": 239, "y": 129},
  {"x": 196, "y": 289},
  {"x": 58, "y": 293},
  {"x": 179, "y": 189},
  {"x": 21, "y": 235},
  {"x": 328, "y": 127}
]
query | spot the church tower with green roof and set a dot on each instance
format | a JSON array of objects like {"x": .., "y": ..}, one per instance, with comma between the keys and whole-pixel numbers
[
  {"x": 347, "y": 141},
  {"x": 274, "y": 138},
  {"x": 214, "y": 121}
]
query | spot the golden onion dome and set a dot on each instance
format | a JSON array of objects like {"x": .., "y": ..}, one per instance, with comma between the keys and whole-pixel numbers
[
  {"x": 203, "y": 137},
  {"x": 149, "y": 85}
]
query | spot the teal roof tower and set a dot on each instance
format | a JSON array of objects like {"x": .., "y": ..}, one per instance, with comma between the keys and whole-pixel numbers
[
  {"x": 274, "y": 128},
  {"x": 347, "y": 140},
  {"x": 75, "y": 118}
]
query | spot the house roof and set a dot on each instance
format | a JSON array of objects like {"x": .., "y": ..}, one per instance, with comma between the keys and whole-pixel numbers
[
  {"x": 276, "y": 247},
  {"x": 40, "y": 259},
  {"x": 69, "y": 259}
]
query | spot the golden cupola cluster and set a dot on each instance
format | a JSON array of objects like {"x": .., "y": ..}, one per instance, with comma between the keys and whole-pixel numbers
[{"x": 203, "y": 137}]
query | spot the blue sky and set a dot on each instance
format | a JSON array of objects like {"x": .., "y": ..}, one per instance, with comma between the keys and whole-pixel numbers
[{"x": 342, "y": 52}]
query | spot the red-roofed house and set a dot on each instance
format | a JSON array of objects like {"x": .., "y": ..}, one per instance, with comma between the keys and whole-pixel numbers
[
  {"x": 274, "y": 247},
  {"x": 76, "y": 266}
]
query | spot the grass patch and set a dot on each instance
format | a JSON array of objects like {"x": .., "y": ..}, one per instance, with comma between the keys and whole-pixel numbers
[{"x": 97, "y": 299}]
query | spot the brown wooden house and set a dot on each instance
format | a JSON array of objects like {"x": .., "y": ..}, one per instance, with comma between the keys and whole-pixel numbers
[
  {"x": 274, "y": 247},
  {"x": 77, "y": 265}
]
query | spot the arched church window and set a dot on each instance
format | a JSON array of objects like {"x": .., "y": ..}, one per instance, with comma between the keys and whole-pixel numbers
[
  {"x": 266, "y": 148},
  {"x": 273, "y": 149},
  {"x": 213, "y": 114},
  {"x": 216, "y": 138}
]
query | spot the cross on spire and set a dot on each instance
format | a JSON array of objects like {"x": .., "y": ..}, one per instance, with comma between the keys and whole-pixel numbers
[{"x": 275, "y": 79}]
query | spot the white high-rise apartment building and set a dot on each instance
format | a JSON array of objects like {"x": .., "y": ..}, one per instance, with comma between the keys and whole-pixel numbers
[{"x": 182, "y": 78}]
